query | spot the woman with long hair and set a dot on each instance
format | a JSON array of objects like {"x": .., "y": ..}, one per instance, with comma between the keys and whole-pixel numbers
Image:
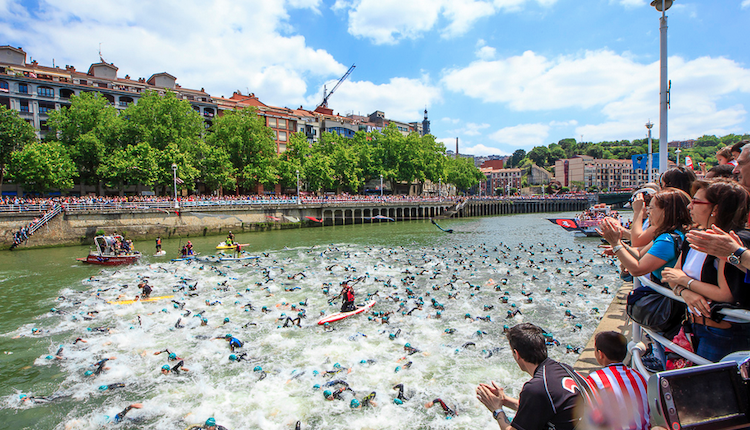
[{"x": 707, "y": 283}]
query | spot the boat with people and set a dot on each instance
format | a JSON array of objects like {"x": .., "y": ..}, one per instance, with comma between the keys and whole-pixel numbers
[
  {"x": 111, "y": 250},
  {"x": 586, "y": 223},
  {"x": 224, "y": 245}
]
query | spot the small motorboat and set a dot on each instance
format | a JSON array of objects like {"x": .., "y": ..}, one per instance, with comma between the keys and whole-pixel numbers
[{"x": 106, "y": 253}]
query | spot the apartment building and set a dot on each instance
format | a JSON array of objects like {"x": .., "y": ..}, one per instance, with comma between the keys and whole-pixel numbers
[
  {"x": 34, "y": 90},
  {"x": 601, "y": 173}
]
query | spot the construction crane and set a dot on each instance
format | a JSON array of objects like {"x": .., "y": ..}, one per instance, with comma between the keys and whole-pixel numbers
[{"x": 324, "y": 103}]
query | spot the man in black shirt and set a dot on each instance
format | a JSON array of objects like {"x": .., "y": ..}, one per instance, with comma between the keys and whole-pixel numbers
[{"x": 548, "y": 400}]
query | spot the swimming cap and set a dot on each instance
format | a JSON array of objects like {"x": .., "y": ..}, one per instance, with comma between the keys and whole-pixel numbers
[
  {"x": 336, "y": 366},
  {"x": 232, "y": 357},
  {"x": 354, "y": 403},
  {"x": 316, "y": 387},
  {"x": 172, "y": 356},
  {"x": 210, "y": 422},
  {"x": 327, "y": 393},
  {"x": 226, "y": 320},
  {"x": 391, "y": 336},
  {"x": 205, "y": 320},
  {"x": 103, "y": 387},
  {"x": 165, "y": 367},
  {"x": 398, "y": 401},
  {"x": 228, "y": 336},
  {"x": 88, "y": 373},
  {"x": 408, "y": 345},
  {"x": 326, "y": 324},
  {"x": 257, "y": 369},
  {"x": 49, "y": 357},
  {"x": 22, "y": 396},
  {"x": 175, "y": 305},
  {"x": 53, "y": 310}
]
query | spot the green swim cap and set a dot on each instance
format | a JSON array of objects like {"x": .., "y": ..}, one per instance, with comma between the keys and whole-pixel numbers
[
  {"x": 228, "y": 336},
  {"x": 226, "y": 320},
  {"x": 407, "y": 345},
  {"x": 257, "y": 369},
  {"x": 354, "y": 403},
  {"x": 88, "y": 373},
  {"x": 327, "y": 393},
  {"x": 232, "y": 357},
  {"x": 165, "y": 367},
  {"x": 210, "y": 422},
  {"x": 103, "y": 388}
]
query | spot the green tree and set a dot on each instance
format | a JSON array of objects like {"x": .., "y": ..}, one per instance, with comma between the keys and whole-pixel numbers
[
  {"x": 539, "y": 155},
  {"x": 90, "y": 129},
  {"x": 134, "y": 164},
  {"x": 249, "y": 145},
  {"x": 42, "y": 166},
  {"x": 515, "y": 159},
  {"x": 15, "y": 133},
  {"x": 707, "y": 140},
  {"x": 462, "y": 173}
]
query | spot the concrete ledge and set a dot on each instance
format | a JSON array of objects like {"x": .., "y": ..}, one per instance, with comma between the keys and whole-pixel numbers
[{"x": 615, "y": 319}]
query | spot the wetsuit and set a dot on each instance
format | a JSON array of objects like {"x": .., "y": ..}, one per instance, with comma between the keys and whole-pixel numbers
[
  {"x": 146, "y": 291},
  {"x": 176, "y": 368},
  {"x": 234, "y": 343},
  {"x": 121, "y": 415}
]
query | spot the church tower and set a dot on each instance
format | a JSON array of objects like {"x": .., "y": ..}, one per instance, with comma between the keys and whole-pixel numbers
[{"x": 425, "y": 124}]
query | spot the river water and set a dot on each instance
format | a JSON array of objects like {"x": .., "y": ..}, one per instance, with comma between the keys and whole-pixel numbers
[{"x": 460, "y": 279}]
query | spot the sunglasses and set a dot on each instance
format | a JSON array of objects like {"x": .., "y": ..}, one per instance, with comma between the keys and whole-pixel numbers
[{"x": 700, "y": 202}]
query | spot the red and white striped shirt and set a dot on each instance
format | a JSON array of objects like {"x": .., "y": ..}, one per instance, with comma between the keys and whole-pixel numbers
[{"x": 622, "y": 396}]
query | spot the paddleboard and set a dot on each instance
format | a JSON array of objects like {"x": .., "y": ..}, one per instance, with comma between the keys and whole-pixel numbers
[
  {"x": 237, "y": 258},
  {"x": 223, "y": 245},
  {"x": 341, "y": 315},
  {"x": 160, "y": 253},
  {"x": 130, "y": 302},
  {"x": 189, "y": 257}
]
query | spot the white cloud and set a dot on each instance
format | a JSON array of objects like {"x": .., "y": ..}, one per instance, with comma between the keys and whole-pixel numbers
[
  {"x": 390, "y": 21},
  {"x": 451, "y": 120},
  {"x": 631, "y": 3},
  {"x": 563, "y": 123},
  {"x": 470, "y": 129},
  {"x": 400, "y": 99},
  {"x": 221, "y": 45},
  {"x": 613, "y": 85},
  {"x": 480, "y": 150},
  {"x": 486, "y": 53},
  {"x": 522, "y": 135},
  {"x": 745, "y": 4}
]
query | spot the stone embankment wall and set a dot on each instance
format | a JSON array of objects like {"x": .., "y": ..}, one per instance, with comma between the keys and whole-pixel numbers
[{"x": 79, "y": 227}]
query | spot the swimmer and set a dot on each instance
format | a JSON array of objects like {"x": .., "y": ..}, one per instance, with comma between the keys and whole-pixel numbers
[
  {"x": 111, "y": 386},
  {"x": 166, "y": 370},
  {"x": 119, "y": 417},
  {"x": 100, "y": 365},
  {"x": 43, "y": 399},
  {"x": 448, "y": 411},
  {"x": 210, "y": 424},
  {"x": 233, "y": 341},
  {"x": 400, "y": 396},
  {"x": 410, "y": 349}
]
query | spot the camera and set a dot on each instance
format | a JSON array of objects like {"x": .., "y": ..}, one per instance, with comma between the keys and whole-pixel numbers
[{"x": 709, "y": 397}]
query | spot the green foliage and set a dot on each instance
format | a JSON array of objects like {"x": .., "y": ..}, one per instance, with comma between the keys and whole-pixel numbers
[
  {"x": 15, "y": 133},
  {"x": 462, "y": 173},
  {"x": 539, "y": 155},
  {"x": 515, "y": 159},
  {"x": 42, "y": 166}
]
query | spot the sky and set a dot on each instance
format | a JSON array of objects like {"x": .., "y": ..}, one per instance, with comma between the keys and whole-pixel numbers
[{"x": 499, "y": 75}]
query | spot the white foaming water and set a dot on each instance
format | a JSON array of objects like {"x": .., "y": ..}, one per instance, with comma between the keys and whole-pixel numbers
[{"x": 455, "y": 352}]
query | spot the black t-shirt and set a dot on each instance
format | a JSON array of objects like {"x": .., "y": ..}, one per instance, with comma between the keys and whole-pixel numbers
[{"x": 549, "y": 397}]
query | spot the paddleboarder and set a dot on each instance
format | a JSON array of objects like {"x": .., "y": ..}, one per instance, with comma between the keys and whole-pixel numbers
[{"x": 158, "y": 244}]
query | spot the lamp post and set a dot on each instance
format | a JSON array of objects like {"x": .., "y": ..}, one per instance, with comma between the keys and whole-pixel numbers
[
  {"x": 662, "y": 6},
  {"x": 381, "y": 186},
  {"x": 649, "y": 125},
  {"x": 677, "y": 153},
  {"x": 440, "y": 187},
  {"x": 298, "y": 187},
  {"x": 174, "y": 180}
]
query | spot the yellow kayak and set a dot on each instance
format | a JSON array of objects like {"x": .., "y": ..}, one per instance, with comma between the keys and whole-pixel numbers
[{"x": 130, "y": 302}]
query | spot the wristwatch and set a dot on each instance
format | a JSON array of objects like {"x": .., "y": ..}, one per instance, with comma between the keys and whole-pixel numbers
[
  {"x": 496, "y": 413},
  {"x": 734, "y": 258}
]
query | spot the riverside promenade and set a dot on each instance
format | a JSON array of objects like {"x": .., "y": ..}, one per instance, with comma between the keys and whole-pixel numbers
[{"x": 76, "y": 223}]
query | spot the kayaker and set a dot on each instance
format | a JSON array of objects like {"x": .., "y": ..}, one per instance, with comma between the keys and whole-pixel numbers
[{"x": 347, "y": 294}]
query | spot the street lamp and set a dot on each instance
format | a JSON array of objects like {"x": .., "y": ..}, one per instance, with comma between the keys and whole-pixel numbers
[
  {"x": 174, "y": 180},
  {"x": 649, "y": 125},
  {"x": 381, "y": 186},
  {"x": 662, "y": 6},
  {"x": 440, "y": 187},
  {"x": 298, "y": 187},
  {"x": 677, "y": 153}
]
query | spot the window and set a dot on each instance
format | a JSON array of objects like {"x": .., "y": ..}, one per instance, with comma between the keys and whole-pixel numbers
[
  {"x": 4, "y": 87},
  {"x": 83, "y": 82},
  {"x": 25, "y": 106},
  {"x": 282, "y": 124},
  {"x": 282, "y": 136},
  {"x": 45, "y": 92},
  {"x": 272, "y": 122},
  {"x": 43, "y": 125},
  {"x": 23, "y": 88}
]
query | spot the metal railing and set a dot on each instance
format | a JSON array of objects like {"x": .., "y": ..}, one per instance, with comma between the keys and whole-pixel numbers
[
  {"x": 637, "y": 346},
  {"x": 56, "y": 209}
]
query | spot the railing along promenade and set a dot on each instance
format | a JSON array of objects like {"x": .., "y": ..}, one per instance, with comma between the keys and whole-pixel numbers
[
  {"x": 637, "y": 346},
  {"x": 116, "y": 205}
]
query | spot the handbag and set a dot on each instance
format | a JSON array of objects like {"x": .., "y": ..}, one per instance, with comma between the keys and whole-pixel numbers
[{"x": 655, "y": 311}]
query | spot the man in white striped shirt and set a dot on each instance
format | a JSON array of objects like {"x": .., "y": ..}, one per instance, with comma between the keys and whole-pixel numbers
[{"x": 622, "y": 392}]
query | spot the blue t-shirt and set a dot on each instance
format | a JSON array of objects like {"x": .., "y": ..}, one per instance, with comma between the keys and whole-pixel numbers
[{"x": 664, "y": 247}]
